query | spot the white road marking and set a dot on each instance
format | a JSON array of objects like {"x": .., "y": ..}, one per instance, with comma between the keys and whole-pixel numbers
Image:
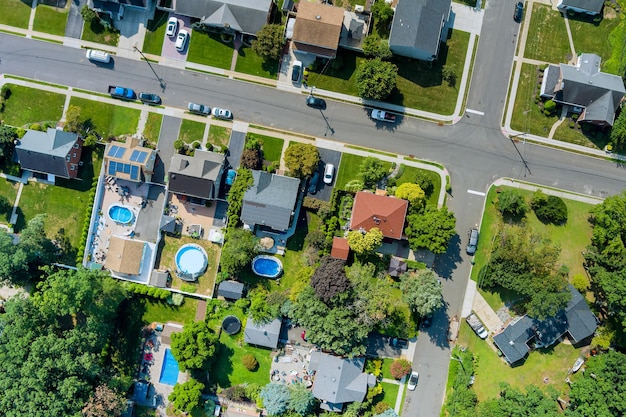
[
  {"x": 475, "y": 112},
  {"x": 476, "y": 193}
]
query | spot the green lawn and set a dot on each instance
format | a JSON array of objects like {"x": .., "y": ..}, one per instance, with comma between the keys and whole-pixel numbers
[
  {"x": 591, "y": 37},
  {"x": 349, "y": 169},
  {"x": 591, "y": 137},
  {"x": 490, "y": 370},
  {"x": 153, "y": 127},
  {"x": 95, "y": 32},
  {"x": 249, "y": 62},
  {"x": 191, "y": 131},
  {"x": 547, "y": 37},
  {"x": 8, "y": 190},
  {"x": 15, "y": 13},
  {"x": 340, "y": 80},
  {"x": 390, "y": 393},
  {"x": 527, "y": 116},
  {"x": 155, "y": 33},
  {"x": 50, "y": 19},
  {"x": 30, "y": 105},
  {"x": 272, "y": 147},
  {"x": 108, "y": 119},
  {"x": 219, "y": 135},
  {"x": 161, "y": 312},
  {"x": 409, "y": 176},
  {"x": 387, "y": 368},
  {"x": 573, "y": 237},
  {"x": 208, "y": 49}
]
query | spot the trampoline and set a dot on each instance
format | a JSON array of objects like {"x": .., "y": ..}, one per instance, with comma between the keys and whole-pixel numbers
[{"x": 231, "y": 325}]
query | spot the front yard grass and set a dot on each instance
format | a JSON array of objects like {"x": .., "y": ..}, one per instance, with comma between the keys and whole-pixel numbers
[
  {"x": 547, "y": 36},
  {"x": 208, "y": 49},
  {"x": 15, "y": 13},
  {"x": 593, "y": 139},
  {"x": 205, "y": 283},
  {"x": 153, "y": 127},
  {"x": 219, "y": 135},
  {"x": 8, "y": 190},
  {"x": 30, "y": 105},
  {"x": 390, "y": 393},
  {"x": 191, "y": 131},
  {"x": 527, "y": 116},
  {"x": 349, "y": 169},
  {"x": 490, "y": 370},
  {"x": 108, "y": 119},
  {"x": 95, "y": 32},
  {"x": 341, "y": 80},
  {"x": 272, "y": 147},
  {"x": 155, "y": 33},
  {"x": 249, "y": 62},
  {"x": 409, "y": 175},
  {"x": 50, "y": 19}
]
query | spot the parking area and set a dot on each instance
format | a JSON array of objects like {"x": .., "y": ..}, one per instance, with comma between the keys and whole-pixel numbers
[
  {"x": 169, "y": 48},
  {"x": 327, "y": 156}
]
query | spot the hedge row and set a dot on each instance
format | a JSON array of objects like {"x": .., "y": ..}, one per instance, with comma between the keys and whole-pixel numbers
[{"x": 86, "y": 223}]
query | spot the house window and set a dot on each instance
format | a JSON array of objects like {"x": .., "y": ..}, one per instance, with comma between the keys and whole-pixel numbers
[
  {"x": 76, "y": 145},
  {"x": 74, "y": 155},
  {"x": 73, "y": 167},
  {"x": 67, "y": 158}
]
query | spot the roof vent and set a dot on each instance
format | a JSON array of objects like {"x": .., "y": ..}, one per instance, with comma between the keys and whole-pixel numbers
[
  {"x": 511, "y": 343},
  {"x": 318, "y": 17}
]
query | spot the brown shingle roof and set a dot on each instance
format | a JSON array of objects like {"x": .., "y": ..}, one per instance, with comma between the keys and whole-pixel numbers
[
  {"x": 340, "y": 249},
  {"x": 386, "y": 213},
  {"x": 124, "y": 256},
  {"x": 318, "y": 25}
]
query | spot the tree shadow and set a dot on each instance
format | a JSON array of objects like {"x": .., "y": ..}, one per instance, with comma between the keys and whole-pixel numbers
[
  {"x": 126, "y": 338},
  {"x": 347, "y": 68},
  {"x": 222, "y": 368}
]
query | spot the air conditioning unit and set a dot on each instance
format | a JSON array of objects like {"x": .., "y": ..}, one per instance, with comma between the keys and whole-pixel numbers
[{"x": 359, "y": 8}]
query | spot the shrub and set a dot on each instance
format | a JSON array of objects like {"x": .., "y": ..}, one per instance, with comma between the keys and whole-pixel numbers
[
  {"x": 381, "y": 407},
  {"x": 252, "y": 144},
  {"x": 550, "y": 106},
  {"x": 251, "y": 158},
  {"x": 552, "y": 209},
  {"x": 354, "y": 186},
  {"x": 250, "y": 362},
  {"x": 580, "y": 282},
  {"x": 188, "y": 288},
  {"x": 176, "y": 299},
  {"x": 374, "y": 367},
  {"x": 512, "y": 203},
  {"x": 400, "y": 368},
  {"x": 196, "y": 145},
  {"x": 415, "y": 264}
]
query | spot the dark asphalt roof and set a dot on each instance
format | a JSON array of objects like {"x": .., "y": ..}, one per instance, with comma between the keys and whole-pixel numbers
[
  {"x": 196, "y": 175},
  {"x": 46, "y": 151},
  {"x": 232, "y": 290},
  {"x": 591, "y": 5},
  {"x": 265, "y": 335}
]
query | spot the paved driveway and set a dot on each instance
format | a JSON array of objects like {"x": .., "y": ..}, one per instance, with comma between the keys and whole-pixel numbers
[
  {"x": 324, "y": 190},
  {"x": 74, "y": 24},
  {"x": 169, "y": 133},
  {"x": 169, "y": 48}
]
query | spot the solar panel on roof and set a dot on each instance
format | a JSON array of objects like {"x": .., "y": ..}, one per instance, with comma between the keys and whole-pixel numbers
[
  {"x": 134, "y": 155},
  {"x": 113, "y": 150},
  {"x": 126, "y": 168},
  {"x": 134, "y": 172},
  {"x": 112, "y": 167},
  {"x": 120, "y": 152},
  {"x": 141, "y": 158}
]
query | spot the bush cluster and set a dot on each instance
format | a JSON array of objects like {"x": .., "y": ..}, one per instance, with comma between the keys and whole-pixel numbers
[
  {"x": 400, "y": 368},
  {"x": 314, "y": 203},
  {"x": 86, "y": 223},
  {"x": 549, "y": 209},
  {"x": 250, "y": 362},
  {"x": 158, "y": 293}
]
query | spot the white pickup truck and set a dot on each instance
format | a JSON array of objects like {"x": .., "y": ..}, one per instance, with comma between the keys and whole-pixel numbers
[
  {"x": 383, "y": 116},
  {"x": 477, "y": 326}
]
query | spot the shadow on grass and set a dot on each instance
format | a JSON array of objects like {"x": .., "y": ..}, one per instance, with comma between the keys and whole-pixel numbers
[
  {"x": 585, "y": 18},
  {"x": 160, "y": 18},
  {"x": 347, "y": 68},
  {"x": 126, "y": 339},
  {"x": 223, "y": 366},
  {"x": 86, "y": 172}
]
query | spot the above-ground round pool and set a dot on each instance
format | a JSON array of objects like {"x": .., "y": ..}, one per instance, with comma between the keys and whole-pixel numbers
[
  {"x": 191, "y": 262},
  {"x": 267, "y": 266},
  {"x": 231, "y": 325},
  {"x": 120, "y": 214}
]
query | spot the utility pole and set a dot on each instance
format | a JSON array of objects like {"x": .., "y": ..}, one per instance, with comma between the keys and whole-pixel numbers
[
  {"x": 150, "y": 65},
  {"x": 519, "y": 153}
]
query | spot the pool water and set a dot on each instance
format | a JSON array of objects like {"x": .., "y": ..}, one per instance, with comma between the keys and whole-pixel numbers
[
  {"x": 191, "y": 260},
  {"x": 120, "y": 214},
  {"x": 169, "y": 370},
  {"x": 267, "y": 266}
]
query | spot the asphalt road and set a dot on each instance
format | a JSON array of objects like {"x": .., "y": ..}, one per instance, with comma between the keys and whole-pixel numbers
[{"x": 474, "y": 150}]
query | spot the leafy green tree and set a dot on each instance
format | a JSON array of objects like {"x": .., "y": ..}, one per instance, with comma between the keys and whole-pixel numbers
[
  {"x": 329, "y": 279},
  {"x": 260, "y": 309},
  {"x": 88, "y": 14},
  {"x": 269, "y": 42},
  {"x": 195, "y": 346},
  {"x": 186, "y": 397},
  {"x": 618, "y": 131},
  {"x": 276, "y": 398},
  {"x": 375, "y": 47},
  {"x": 551, "y": 209},
  {"x": 375, "y": 79},
  {"x": 301, "y": 400},
  {"x": 514, "y": 402},
  {"x": 243, "y": 181},
  {"x": 301, "y": 159},
  {"x": 414, "y": 194},
  {"x": 238, "y": 251},
  {"x": 383, "y": 14},
  {"x": 431, "y": 230},
  {"x": 371, "y": 171},
  {"x": 370, "y": 297},
  {"x": 73, "y": 121},
  {"x": 511, "y": 202},
  {"x": 365, "y": 243},
  {"x": 426, "y": 184},
  {"x": 7, "y": 137},
  {"x": 104, "y": 402},
  {"x": 421, "y": 290}
]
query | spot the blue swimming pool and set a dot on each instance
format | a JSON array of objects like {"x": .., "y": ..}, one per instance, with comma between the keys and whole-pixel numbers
[
  {"x": 191, "y": 261},
  {"x": 120, "y": 214},
  {"x": 267, "y": 266},
  {"x": 169, "y": 370}
]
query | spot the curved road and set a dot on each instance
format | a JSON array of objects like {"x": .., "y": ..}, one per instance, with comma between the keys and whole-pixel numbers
[{"x": 474, "y": 150}]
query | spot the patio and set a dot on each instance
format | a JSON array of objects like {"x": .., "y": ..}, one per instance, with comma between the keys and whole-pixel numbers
[
  {"x": 196, "y": 219},
  {"x": 291, "y": 366}
]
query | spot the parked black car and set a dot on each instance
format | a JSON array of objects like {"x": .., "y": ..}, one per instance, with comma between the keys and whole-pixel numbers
[
  {"x": 313, "y": 183},
  {"x": 519, "y": 11},
  {"x": 150, "y": 98},
  {"x": 316, "y": 103}
]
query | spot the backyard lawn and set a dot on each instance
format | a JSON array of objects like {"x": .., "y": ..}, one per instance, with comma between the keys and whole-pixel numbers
[
  {"x": 219, "y": 135},
  {"x": 527, "y": 116},
  {"x": 249, "y": 62},
  {"x": 155, "y": 33},
  {"x": 153, "y": 127},
  {"x": 161, "y": 312},
  {"x": 30, "y": 105},
  {"x": 108, "y": 119},
  {"x": 591, "y": 37},
  {"x": 8, "y": 189},
  {"x": 208, "y": 49},
  {"x": 205, "y": 283},
  {"x": 191, "y": 131},
  {"x": 50, "y": 19},
  {"x": 15, "y": 13},
  {"x": 547, "y": 37}
]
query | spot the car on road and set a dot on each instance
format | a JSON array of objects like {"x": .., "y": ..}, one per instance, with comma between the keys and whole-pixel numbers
[
  {"x": 412, "y": 384},
  {"x": 98, "y": 56},
  {"x": 199, "y": 109},
  {"x": 150, "y": 98},
  {"x": 329, "y": 172},
  {"x": 230, "y": 177},
  {"x": 313, "y": 183},
  {"x": 172, "y": 26},
  {"x": 181, "y": 40},
  {"x": 518, "y": 12},
  {"x": 473, "y": 241},
  {"x": 316, "y": 103},
  {"x": 222, "y": 113},
  {"x": 296, "y": 71}
]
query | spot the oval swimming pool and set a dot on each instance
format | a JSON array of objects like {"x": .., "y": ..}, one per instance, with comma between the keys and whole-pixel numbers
[
  {"x": 267, "y": 266},
  {"x": 120, "y": 214},
  {"x": 191, "y": 261}
]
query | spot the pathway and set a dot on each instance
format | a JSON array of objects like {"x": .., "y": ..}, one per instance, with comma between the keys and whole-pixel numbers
[
  {"x": 201, "y": 310},
  {"x": 398, "y": 405}
]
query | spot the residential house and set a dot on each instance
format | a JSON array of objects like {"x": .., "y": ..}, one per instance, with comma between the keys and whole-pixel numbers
[
  {"x": 386, "y": 213},
  {"x": 270, "y": 201},
  {"x": 576, "y": 321},
  {"x": 125, "y": 256},
  {"x": 591, "y": 7},
  {"x": 417, "y": 29},
  {"x": 339, "y": 381},
  {"x": 340, "y": 249},
  {"x": 116, "y": 8},
  {"x": 129, "y": 161},
  {"x": 264, "y": 335},
  {"x": 223, "y": 16},
  {"x": 230, "y": 290},
  {"x": 317, "y": 29},
  {"x": 54, "y": 153},
  {"x": 585, "y": 89},
  {"x": 196, "y": 177}
]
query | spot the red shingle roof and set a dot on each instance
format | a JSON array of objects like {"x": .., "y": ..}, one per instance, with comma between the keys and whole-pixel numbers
[
  {"x": 340, "y": 249},
  {"x": 386, "y": 213}
]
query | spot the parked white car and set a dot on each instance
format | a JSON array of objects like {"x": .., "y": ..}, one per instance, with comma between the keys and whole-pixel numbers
[
  {"x": 222, "y": 113},
  {"x": 172, "y": 26},
  {"x": 181, "y": 40},
  {"x": 412, "y": 384}
]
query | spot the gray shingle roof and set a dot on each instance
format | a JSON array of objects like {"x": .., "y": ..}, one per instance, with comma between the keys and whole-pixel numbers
[
  {"x": 512, "y": 341},
  {"x": 196, "y": 175},
  {"x": 265, "y": 335},
  {"x": 417, "y": 24},
  {"x": 591, "y": 5},
  {"x": 270, "y": 201},
  {"x": 247, "y": 16},
  {"x": 338, "y": 380},
  {"x": 46, "y": 151},
  {"x": 232, "y": 290}
]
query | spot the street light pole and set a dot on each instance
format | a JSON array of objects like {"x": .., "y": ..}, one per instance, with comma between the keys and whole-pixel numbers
[{"x": 150, "y": 65}]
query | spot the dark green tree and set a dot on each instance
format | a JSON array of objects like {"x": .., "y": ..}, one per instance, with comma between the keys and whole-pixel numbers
[
  {"x": 238, "y": 251},
  {"x": 618, "y": 131},
  {"x": 276, "y": 398},
  {"x": 422, "y": 292},
  {"x": 515, "y": 402},
  {"x": 269, "y": 42},
  {"x": 7, "y": 138},
  {"x": 375, "y": 79},
  {"x": 549, "y": 209},
  {"x": 243, "y": 181},
  {"x": 195, "y": 346},
  {"x": 371, "y": 171},
  {"x": 186, "y": 397},
  {"x": 511, "y": 202},
  {"x": 374, "y": 47},
  {"x": 431, "y": 230},
  {"x": 301, "y": 400}
]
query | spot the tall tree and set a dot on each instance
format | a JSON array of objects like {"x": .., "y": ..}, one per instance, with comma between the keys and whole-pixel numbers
[
  {"x": 371, "y": 171},
  {"x": 365, "y": 243},
  {"x": 422, "y": 292},
  {"x": 301, "y": 400},
  {"x": 238, "y": 251},
  {"x": 375, "y": 47},
  {"x": 375, "y": 79},
  {"x": 514, "y": 402},
  {"x": 431, "y": 230},
  {"x": 301, "y": 159},
  {"x": 195, "y": 346},
  {"x": 104, "y": 402},
  {"x": 414, "y": 194},
  {"x": 186, "y": 397},
  {"x": 276, "y": 398},
  {"x": 269, "y": 42},
  {"x": 329, "y": 279},
  {"x": 7, "y": 137},
  {"x": 618, "y": 131}
]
